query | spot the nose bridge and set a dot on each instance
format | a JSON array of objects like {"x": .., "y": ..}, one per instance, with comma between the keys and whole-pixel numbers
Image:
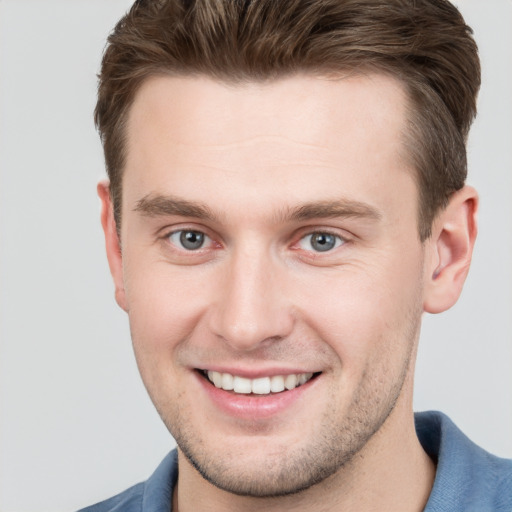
[{"x": 252, "y": 309}]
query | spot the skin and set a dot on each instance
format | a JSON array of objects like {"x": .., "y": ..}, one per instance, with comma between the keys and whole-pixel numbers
[{"x": 258, "y": 168}]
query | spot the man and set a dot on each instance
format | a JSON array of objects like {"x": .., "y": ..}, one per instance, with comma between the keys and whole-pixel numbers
[{"x": 286, "y": 198}]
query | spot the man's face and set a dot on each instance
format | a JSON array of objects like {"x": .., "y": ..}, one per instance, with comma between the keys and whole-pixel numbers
[{"x": 269, "y": 237}]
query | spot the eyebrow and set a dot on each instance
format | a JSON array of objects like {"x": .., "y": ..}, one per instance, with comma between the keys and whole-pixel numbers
[
  {"x": 158, "y": 205},
  {"x": 332, "y": 209}
]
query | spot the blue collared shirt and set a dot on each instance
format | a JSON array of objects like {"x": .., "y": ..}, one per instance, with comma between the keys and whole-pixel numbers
[{"x": 468, "y": 479}]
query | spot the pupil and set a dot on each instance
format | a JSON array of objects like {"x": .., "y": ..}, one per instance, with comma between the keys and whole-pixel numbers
[
  {"x": 323, "y": 241},
  {"x": 191, "y": 239}
]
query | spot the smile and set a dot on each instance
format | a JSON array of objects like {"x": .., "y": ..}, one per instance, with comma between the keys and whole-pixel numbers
[{"x": 259, "y": 386}]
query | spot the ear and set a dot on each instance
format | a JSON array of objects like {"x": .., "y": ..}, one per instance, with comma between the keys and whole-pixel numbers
[
  {"x": 112, "y": 243},
  {"x": 449, "y": 251}
]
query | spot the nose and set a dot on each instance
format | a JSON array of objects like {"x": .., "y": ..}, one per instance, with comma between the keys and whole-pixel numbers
[{"x": 252, "y": 307}]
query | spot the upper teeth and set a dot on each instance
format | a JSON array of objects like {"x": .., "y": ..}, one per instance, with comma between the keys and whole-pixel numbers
[{"x": 260, "y": 386}]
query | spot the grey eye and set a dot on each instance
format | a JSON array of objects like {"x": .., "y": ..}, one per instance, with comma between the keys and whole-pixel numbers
[
  {"x": 189, "y": 240},
  {"x": 320, "y": 242}
]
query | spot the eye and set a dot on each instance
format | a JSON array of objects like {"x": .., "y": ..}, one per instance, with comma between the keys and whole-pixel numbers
[
  {"x": 189, "y": 240},
  {"x": 320, "y": 242}
]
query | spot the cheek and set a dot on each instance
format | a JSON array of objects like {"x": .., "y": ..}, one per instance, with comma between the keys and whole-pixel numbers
[
  {"x": 163, "y": 312},
  {"x": 364, "y": 311},
  {"x": 164, "y": 305}
]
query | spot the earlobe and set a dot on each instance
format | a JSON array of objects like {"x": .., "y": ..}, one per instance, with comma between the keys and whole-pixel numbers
[
  {"x": 112, "y": 243},
  {"x": 449, "y": 251}
]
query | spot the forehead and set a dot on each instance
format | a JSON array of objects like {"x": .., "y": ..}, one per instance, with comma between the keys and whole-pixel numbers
[
  {"x": 274, "y": 106},
  {"x": 341, "y": 134}
]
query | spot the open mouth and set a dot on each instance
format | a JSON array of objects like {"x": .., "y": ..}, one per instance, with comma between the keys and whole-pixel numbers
[{"x": 259, "y": 386}]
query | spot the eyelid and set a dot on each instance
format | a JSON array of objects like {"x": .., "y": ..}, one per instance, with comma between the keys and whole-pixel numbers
[{"x": 311, "y": 230}]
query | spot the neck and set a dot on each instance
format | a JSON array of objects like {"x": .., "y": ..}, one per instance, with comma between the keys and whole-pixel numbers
[{"x": 392, "y": 472}]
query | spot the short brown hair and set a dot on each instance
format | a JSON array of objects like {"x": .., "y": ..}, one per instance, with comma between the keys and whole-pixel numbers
[{"x": 425, "y": 44}]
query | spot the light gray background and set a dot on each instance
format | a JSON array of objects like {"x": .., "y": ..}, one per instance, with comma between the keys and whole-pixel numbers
[{"x": 76, "y": 425}]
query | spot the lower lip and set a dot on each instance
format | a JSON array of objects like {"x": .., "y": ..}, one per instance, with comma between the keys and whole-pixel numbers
[{"x": 253, "y": 407}]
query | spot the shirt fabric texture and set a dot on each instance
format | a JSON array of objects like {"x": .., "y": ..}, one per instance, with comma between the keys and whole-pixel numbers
[{"x": 468, "y": 479}]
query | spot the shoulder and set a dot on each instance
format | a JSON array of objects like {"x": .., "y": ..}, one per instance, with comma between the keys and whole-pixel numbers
[
  {"x": 467, "y": 477},
  {"x": 155, "y": 494}
]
